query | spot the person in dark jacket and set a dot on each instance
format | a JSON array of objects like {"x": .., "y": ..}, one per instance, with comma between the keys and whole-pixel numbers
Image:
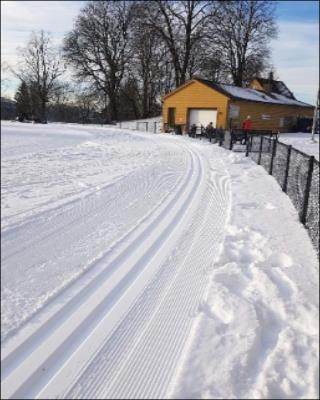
[
  {"x": 210, "y": 130},
  {"x": 220, "y": 135},
  {"x": 193, "y": 130}
]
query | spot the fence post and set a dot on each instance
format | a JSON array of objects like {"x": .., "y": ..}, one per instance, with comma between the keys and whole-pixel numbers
[
  {"x": 248, "y": 145},
  {"x": 221, "y": 139},
  {"x": 285, "y": 181},
  {"x": 274, "y": 149},
  {"x": 155, "y": 127},
  {"x": 260, "y": 150},
  {"x": 147, "y": 126},
  {"x": 231, "y": 144},
  {"x": 304, "y": 210},
  {"x": 120, "y": 125},
  {"x": 137, "y": 126}
]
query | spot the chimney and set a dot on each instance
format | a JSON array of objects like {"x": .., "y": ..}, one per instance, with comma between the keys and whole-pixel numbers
[{"x": 268, "y": 86}]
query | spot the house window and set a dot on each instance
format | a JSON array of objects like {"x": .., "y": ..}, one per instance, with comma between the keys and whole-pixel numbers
[{"x": 171, "y": 117}]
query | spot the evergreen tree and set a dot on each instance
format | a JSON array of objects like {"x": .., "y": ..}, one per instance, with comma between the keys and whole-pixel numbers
[{"x": 23, "y": 105}]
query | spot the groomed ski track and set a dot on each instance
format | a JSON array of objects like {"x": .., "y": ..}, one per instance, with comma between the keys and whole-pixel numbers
[{"x": 120, "y": 329}]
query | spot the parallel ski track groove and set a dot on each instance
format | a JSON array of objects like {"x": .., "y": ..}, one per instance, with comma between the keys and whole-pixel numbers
[
  {"x": 183, "y": 209},
  {"x": 23, "y": 350},
  {"x": 5, "y": 364},
  {"x": 98, "y": 380},
  {"x": 154, "y": 374},
  {"x": 96, "y": 208},
  {"x": 98, "y": 213}
]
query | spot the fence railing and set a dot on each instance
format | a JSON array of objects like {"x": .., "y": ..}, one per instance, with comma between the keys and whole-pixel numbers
[
  {"x": 143, "y": 125},
  {"x": 237, "y": 138},
  {"x": 296, "y": 172}
]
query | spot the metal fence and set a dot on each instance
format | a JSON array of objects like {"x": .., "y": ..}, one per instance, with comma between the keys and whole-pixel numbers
[
  {"x": 296, "y": 172},
  {"x": 145, "y": 126},
  {"x": 236, "y": 139}
]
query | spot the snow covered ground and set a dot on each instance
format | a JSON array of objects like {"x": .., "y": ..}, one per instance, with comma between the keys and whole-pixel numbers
[
  {"x": 303, "y": 142},
  {"x": 150, "y": 266}
]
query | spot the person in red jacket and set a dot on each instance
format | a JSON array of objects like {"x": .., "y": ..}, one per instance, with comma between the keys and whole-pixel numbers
[{"x": 246, "y": 128}]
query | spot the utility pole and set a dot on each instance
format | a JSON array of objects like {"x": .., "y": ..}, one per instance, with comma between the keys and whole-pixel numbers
[{"x": 315, "y": 116}]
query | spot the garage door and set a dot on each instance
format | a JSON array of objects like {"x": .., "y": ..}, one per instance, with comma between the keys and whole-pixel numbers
[{"x": 202, "y": 117}]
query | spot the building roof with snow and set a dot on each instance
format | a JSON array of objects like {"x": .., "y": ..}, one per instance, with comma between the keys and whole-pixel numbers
[
  {"x": 249, "y": 94},
  {"x": 276, "y": 86}
]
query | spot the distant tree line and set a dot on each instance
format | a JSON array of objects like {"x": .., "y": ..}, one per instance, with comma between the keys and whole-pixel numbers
[{"x": 123, "y": 56}]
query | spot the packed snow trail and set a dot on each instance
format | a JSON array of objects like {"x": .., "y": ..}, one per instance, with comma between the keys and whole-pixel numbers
[
  {"x": 92, "y": 336},
  {"x": 150, "y": 266}
]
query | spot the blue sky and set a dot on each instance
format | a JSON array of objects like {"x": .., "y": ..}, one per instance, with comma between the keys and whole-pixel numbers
[
  {"x": 298, "y": 10},
  {"x": 295, "y": 53},
  {"x": 296, "y": 50}
]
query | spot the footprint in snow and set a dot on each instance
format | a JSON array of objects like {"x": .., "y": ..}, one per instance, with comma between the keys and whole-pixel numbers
[
  {"x": 269, "y": 206},
  {"x": 218, "y": 306},
  {"x": 285, "y": 285},
  {"x": 249, "y": 206},
  {"x": 280, "y": 260}
]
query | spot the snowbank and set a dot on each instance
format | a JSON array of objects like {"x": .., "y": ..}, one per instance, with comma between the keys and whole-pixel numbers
[
  {"x": 256, "y": 332},
  {"x": 303, "y": 142}
]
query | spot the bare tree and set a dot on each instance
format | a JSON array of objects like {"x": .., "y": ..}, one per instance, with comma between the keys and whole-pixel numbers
[
  {"x": 40, "y": 67},
  {"x": 243, "y": 29},
  {"x": 148, "y": 57},
  {"x": 182, "y": 25},
  {"x": 98, "y": 48},
  {"x": 5, "y": 69},
  {"x": 86, "y": 99},
  {"x": 130, "y": 99},
  {"x": 210, "y": 66},
  {"x": 65, "y": 94}
]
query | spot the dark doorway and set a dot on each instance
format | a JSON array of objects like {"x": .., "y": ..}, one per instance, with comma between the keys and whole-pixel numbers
[{"x": 171, "y": 117}]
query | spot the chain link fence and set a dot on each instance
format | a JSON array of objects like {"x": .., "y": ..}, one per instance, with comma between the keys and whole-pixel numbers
[
  {"x": 296, "y": 172},
  {"x": 312, "y": 217}
]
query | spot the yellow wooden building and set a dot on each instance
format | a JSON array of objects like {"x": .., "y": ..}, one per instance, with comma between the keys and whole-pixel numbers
[{"x": 270, "y": 104}]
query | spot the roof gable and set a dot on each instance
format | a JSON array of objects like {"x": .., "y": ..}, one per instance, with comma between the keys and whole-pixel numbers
[
  {"x": 255, "y": 84},
  {"x": 174, "y": 91},
  {"x": 214, "y": 86},
  {"x": 276, "y": 87},
  {"x": 205, "y": 82}
]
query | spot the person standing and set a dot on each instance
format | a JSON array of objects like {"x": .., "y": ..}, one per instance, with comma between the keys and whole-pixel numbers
[
  {"x": 246, "y": 128},
  {"x": 193, "y": 130},
  {"x": 210, "y": 130}
]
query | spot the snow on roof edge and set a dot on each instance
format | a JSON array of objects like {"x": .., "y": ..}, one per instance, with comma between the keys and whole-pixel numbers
[{"x": 249, "y": 94}]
